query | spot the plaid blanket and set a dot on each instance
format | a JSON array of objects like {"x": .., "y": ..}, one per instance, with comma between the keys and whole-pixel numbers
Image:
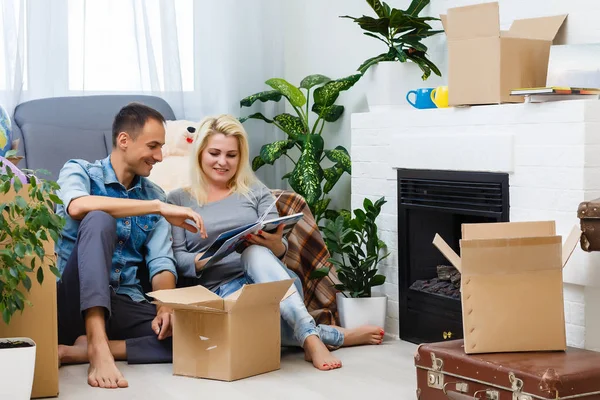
[{"x": 307, "y": 252}]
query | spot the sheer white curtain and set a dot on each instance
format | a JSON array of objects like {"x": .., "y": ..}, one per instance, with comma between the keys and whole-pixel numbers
[{"x": 201, "y": 56}]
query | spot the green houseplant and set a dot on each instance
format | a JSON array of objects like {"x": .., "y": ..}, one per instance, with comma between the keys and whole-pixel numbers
[
  {"x": 310, "y": 177},
  {"x": 27, "y": 221},
  {"x": 356, "y": 250},
  {"x": 402, "y": 32}
]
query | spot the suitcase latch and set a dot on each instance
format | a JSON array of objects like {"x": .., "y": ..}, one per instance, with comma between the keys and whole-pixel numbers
[
  {"x": 435, "y": 378},
  {"x": 517, "y": 387}
]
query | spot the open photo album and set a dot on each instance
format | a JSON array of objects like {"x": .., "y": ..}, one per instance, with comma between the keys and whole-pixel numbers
[{"x": 228, "y": 241}]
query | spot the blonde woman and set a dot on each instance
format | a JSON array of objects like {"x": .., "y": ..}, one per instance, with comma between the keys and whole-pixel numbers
[{"x": 226, "y": 194}]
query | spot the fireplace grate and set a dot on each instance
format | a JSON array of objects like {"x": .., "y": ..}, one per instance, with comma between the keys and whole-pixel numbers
[{"x": 451, "y": 194}]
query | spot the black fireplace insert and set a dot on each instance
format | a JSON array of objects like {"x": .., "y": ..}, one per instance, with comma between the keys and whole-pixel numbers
[{"x": 430, "y": 202}]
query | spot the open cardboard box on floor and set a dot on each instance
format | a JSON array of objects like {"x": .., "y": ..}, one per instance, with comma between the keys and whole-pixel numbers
[
  {"x": 485, "y": 63},
  {"x": 512, "y": 285},
  {"x": 226, "y": 338}
]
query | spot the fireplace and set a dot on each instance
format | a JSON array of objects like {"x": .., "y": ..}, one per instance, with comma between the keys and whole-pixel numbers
[{"x": 430, "y": 202}]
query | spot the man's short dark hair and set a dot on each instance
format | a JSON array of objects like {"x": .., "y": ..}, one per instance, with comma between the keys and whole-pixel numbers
[{"x": 132, "y": 118}]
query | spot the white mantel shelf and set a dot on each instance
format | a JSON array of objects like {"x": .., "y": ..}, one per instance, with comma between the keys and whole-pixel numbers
[{"x": 551, "y": 152}]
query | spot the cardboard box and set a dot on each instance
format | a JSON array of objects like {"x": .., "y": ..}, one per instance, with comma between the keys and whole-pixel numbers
[
  {"x": 38, "y": 322},
  {"x": 226, "y": 339},
  {"x": 484, "y": 63},
  {"x": 512, "y": 285}
]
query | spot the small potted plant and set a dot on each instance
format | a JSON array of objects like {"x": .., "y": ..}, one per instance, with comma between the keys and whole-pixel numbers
[
  {"x": 28, "y": 226},
  {"x": 395, "y": 71},
  {"x": 356, "y": 252}
]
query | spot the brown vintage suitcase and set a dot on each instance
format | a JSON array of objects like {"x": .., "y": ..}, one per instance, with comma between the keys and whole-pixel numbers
[
  {"x": 588, "y": 213},
  {"x": 444, "y": 371}
]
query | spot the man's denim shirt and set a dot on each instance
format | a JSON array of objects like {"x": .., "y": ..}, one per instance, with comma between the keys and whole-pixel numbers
[{"x": 143, "y": 240}]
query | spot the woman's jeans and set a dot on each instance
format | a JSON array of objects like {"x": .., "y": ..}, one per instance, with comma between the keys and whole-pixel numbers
[{"x": 261, "y": 266}]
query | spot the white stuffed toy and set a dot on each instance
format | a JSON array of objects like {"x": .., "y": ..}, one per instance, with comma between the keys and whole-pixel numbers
[{"x": 174, "y": 170}]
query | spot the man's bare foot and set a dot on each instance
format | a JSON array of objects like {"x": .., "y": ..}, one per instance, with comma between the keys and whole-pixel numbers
[
  {"x": 316, "y": 352},
  {"x": 366, "y": 334},
  {"x": 76, "y": 354},
  {"x": 102, "y": 371}
]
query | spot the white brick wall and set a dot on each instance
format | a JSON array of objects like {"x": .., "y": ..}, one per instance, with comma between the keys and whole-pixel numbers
[{"x": 551, "y": 152}]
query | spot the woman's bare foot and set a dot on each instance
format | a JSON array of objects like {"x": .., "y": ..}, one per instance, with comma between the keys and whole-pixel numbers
[
  {"x": 366, "y": 334},
  {"x": 316, "y": 352},
  {"x": 76, "y": 354},
  {"x": 102, "y": 371}
]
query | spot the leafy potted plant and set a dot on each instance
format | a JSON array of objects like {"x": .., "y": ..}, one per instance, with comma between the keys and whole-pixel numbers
[
  {"x": 356, "y": 252},
  {"x": 310, "y": 177},
  {"x": 394, "y": 72},
  {"x": 28, "y": 227}
]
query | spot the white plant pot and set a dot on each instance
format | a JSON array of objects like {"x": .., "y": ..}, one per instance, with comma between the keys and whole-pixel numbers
[
  {"x": 388, "y": 82},
  {"x": 16, "y": 370},
  {"x": 362, "y": 311}
]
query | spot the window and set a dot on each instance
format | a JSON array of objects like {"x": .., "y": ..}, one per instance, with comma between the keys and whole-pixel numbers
[
  {"x": 117, "y": 45},
  {"x": 13, "y": 27}
]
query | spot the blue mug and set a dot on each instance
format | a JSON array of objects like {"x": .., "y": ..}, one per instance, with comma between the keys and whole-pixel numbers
[{"x": 422, "y": 98}]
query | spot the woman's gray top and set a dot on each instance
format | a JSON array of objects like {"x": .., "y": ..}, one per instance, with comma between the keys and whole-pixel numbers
[{"x": 219, "y": 216}]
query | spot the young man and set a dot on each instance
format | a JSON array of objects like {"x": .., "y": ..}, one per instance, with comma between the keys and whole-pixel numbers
[{"x": 118, "y": 224}]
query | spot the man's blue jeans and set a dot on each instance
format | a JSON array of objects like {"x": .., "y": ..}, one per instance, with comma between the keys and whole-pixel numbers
[{"x": 261, "y": 266}]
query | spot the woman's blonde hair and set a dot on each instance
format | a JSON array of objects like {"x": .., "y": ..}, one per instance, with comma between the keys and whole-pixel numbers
[{"x": 244, "y": 176}]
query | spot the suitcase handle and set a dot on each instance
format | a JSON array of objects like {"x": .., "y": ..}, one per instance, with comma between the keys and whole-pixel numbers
[{"x": 489, "y": 394}]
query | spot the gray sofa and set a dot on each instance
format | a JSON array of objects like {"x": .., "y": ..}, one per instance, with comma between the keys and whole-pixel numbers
[{"x": 54, "y": 130}]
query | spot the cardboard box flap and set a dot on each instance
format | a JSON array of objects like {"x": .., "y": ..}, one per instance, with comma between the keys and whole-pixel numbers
[
  {"x": 543, "y": 28},
  {"x": 262, "y": 293},
  {"x": 186, "y": 296},
  {"x": 447, "y": 252},
  {"x": 570, "y": 244},
  {"x": 235, "y": 295},
  {"x": 503, "y": 230},
  {"x": 476, "y": 21}
]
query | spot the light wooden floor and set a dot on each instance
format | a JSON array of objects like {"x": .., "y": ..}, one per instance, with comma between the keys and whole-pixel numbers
[{"x": 370, "y": 372}]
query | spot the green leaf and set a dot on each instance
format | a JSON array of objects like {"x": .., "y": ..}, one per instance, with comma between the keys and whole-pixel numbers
[
  {"x": 293, "y": 94},
  {"x": 55, "y": 271},
  {"x": 329, "y": 114},
  {"x": 399, "y": 20},
  {"x": 271, "y": 152},
  {"x": 417, "y": 34},
  {"x": 332, "y": 176},
  {"x": 291, "y": 125},
  {"x": 10, "y": 153},
  {"x": 20, "y": 249},
  {"x": 377, "y": 7},
  {"x": 286, "y": 176},
  {"x": 21, "y": 202},
  {"x": 40, "y": 275},
  {"x": 341, "y": 157},
  {"x": 256, "y": 116},
  {"x": 257, "y": 162},
  {"x": 313, "y": 80},
  {"x": 319, "y": 273},
  {"x": 321, "y": 206},
  {"x": 53, "y": 235},
  {"x": 327, "y": 94},
  {"x": 270, "y": 95},
  {"x": 426, "y": 65},
  {"x": 415, "y": 44},
  {"x": 376, "y": 25},
  {"x": 17, "y": 184},
  {"x": 416, "y": 7},
  {"x": 6, "y": 316},
  {"x": 377, "y": 280},
  {"x": 55, "y": 198},
  {"x": 27, "y": 283},
  {"x": 307, "y": 174}
]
